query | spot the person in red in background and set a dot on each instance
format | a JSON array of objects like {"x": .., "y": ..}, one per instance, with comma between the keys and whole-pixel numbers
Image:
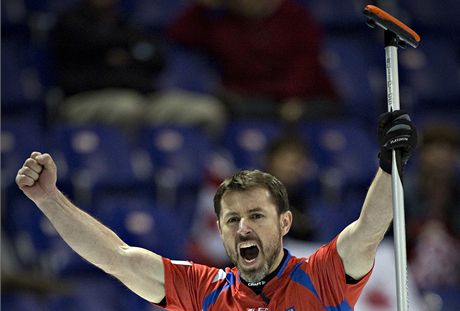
[{"x": 267, "y": 53}]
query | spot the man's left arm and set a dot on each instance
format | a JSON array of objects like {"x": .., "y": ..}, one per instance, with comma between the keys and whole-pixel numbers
[{"x": 357, "y": 243}]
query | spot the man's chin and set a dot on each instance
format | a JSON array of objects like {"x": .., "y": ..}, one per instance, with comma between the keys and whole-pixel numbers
[
  {"x": 253, "y": 271},
  {"x": 251, "y": 264}
]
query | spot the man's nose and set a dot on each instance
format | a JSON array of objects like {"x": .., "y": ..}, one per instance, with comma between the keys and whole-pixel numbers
[{"x": 244, "y": 227}]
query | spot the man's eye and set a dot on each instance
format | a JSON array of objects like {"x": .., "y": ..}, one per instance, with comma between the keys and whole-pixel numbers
[
  {"x": 257, "y": 216},
  {"x": 232, "y": 220}
]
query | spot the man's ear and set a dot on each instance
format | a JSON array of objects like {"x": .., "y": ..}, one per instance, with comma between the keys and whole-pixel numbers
[
  {"x": 286, "y": 222},
  {"x": 218, "y": 226}
]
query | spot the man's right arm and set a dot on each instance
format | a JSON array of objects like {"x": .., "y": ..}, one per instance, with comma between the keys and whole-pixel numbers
[{"x": 139, "y": 269}]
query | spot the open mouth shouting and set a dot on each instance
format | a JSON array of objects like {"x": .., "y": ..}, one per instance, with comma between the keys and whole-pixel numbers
[{"x": 249, "y": 251}]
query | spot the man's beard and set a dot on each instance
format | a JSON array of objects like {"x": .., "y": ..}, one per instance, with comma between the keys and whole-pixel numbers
[{"x": 259, "y": 273}]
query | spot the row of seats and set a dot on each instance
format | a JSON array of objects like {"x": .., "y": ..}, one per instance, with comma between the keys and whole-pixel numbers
[
  {"x": 91, "y": 152},
  {"x": 96, "y": 155},
  {"x": 94, "y": 158}
]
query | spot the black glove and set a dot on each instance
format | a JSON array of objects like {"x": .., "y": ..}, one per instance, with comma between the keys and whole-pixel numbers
[{"x": 396, "y": 131}]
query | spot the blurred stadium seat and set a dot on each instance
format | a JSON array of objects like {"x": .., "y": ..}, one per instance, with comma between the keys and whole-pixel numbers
[
  {"x": 337, "y": 16},
  {"x": 19, "y": 137},
  {"x": 438, "y": 116},
  {"x": 22, "y": 89},
  {"x": 37, "y": 242},
  {"x": 141, "y": 222},
  {"x": 247, "y": 142},
  {"x": 179, "y": 157},
  {"x": 434, "y": 17},
  {"x": 345, "y": 152},
  {"x": 330, "y": 215},
  {"x": 21, "y": 302},
  {"x": 97, "y": 158},
  {"x": 431, "y": 75},
  {"x": 353, "y": 68},
  {"x": 96, "y": 292},
  {"x": 449, "y": 297}
]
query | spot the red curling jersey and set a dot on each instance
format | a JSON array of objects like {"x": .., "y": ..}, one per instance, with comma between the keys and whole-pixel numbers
[{"x": 313, "y": 283}]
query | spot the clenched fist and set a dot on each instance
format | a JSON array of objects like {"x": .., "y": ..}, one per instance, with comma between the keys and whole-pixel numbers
[{"x": 37, "y": 177}]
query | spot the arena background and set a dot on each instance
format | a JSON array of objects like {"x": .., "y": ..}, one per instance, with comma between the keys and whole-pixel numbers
[{"x": 150, "y": 207}]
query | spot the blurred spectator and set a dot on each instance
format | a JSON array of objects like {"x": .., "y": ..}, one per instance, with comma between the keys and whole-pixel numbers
[
  {"x": 107, "y": 68},
  {"x": 433, "y": 210},
  {"x": 288, "y": 159},
  {"x": 267, "y": 53},
  {"x": 97, "y": 48}
]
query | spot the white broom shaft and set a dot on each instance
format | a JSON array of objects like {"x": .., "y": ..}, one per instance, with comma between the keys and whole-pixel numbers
[{"x": 391, "y": 56}]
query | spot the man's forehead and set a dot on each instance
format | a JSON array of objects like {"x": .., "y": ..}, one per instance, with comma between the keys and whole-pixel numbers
[{"x": 245, "y": 200}]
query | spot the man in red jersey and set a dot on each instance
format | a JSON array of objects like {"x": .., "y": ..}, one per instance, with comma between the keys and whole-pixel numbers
[{"x": 252, "y": 216}]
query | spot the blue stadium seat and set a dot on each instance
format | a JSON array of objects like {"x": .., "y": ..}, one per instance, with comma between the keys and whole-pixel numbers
[
  {"x": 22, "y": 89},
  {"x": 437, "y": 116},
  {"x": 38, "y": 243},
  {"x": 96, "y": 158},
  {"x": 178, "y": 154},
  {"x": 449, "y": 297},
  {"x": 331, "y": 215},
  {"x": 344, "y": 151},
  {"x": 141, "y": 222},
  {"x": 430, "y": 73},
  {"x": 95, "y": 292},
  {"x": 19, "y": 137},
  {"x": 131, "y": 301},
  {"x": 247, "y": 142},
  {"x": 20, "y": 302},
  {"x": 433, "y": 17},
  {"x": 337, "y": 16},
  {"x": 357, "y": 73}
]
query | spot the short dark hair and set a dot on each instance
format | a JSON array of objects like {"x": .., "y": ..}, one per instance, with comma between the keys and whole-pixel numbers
[{"x": 249, "y": 179}]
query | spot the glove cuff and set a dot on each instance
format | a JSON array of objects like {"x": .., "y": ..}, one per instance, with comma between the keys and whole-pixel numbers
[{"x": 385, "y": 161}]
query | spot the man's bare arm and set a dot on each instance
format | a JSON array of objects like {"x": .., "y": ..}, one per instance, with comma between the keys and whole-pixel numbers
[
  {"x": 139, "y": 269},
  {"x": 357, "y": 244}
]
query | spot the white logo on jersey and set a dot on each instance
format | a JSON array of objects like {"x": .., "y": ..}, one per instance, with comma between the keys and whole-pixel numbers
[{"x": 181, "y": 262}]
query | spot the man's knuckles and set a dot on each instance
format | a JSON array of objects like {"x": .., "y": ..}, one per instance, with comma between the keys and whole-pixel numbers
[{"x": 33, "y": 165}]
